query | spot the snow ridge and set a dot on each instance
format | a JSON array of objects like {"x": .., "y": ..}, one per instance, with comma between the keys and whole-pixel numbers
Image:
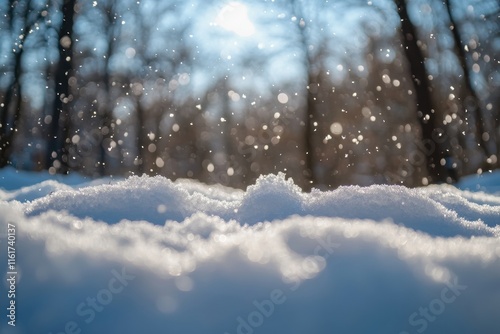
[
  {"x": 147, "y": 254},
  {"x": 157, "y": 199}
]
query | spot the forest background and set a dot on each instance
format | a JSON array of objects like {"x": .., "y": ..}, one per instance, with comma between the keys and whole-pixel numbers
[{"x": 331, "y": 92}]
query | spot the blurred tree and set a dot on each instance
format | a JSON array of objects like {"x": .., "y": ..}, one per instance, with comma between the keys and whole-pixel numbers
[
  {"x": 433, "y": 137},
  {"x": 105, "y": 111},
  {"x": 471, "y": 101},
  {"x": 58, "y": 142},
  {"x": 312, "y": 64},
  {"x": 22, "y": 19}
]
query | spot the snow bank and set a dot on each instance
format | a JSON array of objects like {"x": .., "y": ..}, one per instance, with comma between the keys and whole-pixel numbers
[{"x": 147, "y": 255}]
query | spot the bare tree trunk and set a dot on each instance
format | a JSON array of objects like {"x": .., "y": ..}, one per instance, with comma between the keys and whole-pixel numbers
[
  {"x": 310, "y": 111},
  {"x": 227, "y": 140},
  {"x": 57, "y": 152},
  {"x": 141, "y": 138},
  {"x": 106, "y": 111},
  {"x": 309, "y": 129},
  {"x": 471, "y": 101},
  {"x": 426, "y": 113},
  {"x": 8, "y": 122}
]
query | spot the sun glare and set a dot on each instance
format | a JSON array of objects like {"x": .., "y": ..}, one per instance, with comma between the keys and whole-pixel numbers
[{"x": 234, "y": 17}]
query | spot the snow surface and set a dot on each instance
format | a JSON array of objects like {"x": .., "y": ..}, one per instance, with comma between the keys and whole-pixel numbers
[{"x": 148, "y": 255}]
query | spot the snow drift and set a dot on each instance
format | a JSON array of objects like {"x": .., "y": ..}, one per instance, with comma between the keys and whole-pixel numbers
[{"x": 148, "y": 255}]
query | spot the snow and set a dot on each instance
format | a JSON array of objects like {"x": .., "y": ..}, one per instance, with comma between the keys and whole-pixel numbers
[{"x": 148, "y": 255}]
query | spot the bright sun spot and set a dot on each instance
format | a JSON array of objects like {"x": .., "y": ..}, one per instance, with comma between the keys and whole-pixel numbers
[{"x": 234, "y": 17}]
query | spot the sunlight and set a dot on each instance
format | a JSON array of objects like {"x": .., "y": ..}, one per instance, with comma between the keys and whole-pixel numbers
[{"x": 234, "y": 17}]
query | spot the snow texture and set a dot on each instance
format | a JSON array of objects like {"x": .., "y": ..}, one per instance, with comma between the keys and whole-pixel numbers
[{"x": 148, "y": 255}]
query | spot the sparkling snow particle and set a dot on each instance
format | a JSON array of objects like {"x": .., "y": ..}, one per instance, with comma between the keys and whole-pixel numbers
[
  {"x": 161, "y": 208},
  {"x": 336, "y": 128},
  {"x": 282, "y": 98}
]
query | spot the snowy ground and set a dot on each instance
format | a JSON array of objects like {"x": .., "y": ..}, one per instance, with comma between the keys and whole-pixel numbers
[{"x": 147, "y": 255}]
